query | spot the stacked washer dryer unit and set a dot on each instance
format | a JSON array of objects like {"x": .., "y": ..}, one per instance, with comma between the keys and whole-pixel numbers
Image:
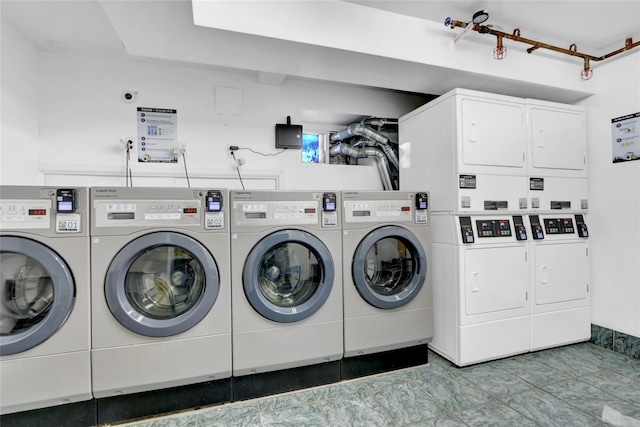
[
  {"x": 560, "y": 297},
  {"x": 287, "y": 290},
  {"x": 388, "y": 317},
  {"x": 161, "y": 299},
  {"x": 481, "y": 151},
  {"x": 469, "y": 150},
  {"x": 44, "y": 303}
]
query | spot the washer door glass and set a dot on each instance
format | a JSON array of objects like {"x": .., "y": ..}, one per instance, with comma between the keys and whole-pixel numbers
[
  {"x": 36, "y": 294},
  {"x": 164, "y": 282},
  {"x": 288, "y": 276},
  {"x": 161, "y": 284},
  {"x": 389, "y": 267}
]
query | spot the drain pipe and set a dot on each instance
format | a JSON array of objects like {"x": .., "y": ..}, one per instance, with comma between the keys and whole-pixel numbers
[{"x": 360, "y": 153}]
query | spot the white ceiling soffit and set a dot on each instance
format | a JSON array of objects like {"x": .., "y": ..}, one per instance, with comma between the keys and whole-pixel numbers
[
  {"x": 77, "y": 27},
  {"x": 330, "y": 41}
]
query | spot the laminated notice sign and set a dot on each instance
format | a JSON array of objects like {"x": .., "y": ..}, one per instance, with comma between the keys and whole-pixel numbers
[
  {"x": 625, "y": 135},
  {"x": 157, "y": 135}
]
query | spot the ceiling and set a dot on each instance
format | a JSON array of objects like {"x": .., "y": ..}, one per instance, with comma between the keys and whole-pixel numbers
[{"x": 125, "y": 29}]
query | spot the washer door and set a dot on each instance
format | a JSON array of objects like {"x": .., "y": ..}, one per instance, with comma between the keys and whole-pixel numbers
[
  {"x": 288, "y": 276},
  {"x": 37, "y": 294},
  {"x": 161, "y": 284},
  {"x": 389, "y": 267}
]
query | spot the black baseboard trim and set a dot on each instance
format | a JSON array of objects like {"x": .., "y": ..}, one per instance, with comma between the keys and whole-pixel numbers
[
  {"x": 157, "y": 402},
  {"x": 375, "y": 363},
  {"x": 268, "y": 383},
  {"x": 79, "y": 414}
]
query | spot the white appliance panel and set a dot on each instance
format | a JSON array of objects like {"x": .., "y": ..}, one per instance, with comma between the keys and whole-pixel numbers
[
  {"x": 561, "y": 272},
  {"x": 496, "y": 279},
  {"x": 558, "y": 139},
  {"x": 493, "y": 134}
]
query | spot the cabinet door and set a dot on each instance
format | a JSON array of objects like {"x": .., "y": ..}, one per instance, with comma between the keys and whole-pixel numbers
[
  {"x": 493, "y": 133},
  {"x": 497, "y": 279},
  {"x": 561, "y": 272},
  {"x": 558, "y": 139}
]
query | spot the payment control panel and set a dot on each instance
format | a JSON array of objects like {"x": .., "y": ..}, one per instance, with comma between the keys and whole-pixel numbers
[
  {"x": 506, "y": 227},
  {"x": 493, "y": 228}
]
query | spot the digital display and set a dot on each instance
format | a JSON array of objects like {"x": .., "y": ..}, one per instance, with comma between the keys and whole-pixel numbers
[
  {"x": 309, "y": 210},
  {"x": 331, "y": 206},
  {"x": 190, "y": 210},
  {"x": 38, "y": 212},
  {"x": 214, "y": 206},
  {"x": 65, "y": 206},
  {"x": 405, "y": 209}
]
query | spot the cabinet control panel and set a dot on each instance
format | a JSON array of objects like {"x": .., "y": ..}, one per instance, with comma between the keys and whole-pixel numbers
[
  {"x": 493, "y": 228},
  {"x": 559, "y": 226}
]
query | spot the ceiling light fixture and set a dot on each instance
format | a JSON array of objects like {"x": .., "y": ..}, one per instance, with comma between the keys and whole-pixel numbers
[{"x": 500, "y": 51}]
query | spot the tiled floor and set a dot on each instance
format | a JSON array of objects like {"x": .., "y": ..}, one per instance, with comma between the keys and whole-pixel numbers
[{"x": 566, "y": 386}]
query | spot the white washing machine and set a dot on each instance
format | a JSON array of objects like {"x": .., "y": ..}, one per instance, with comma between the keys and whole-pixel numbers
[
  {"x": 161, "y": 293},
  {"x": 287, "y": 286},
  {"x": 387, "y": 276},
  {"x": 44, "y": 298},
  {"x": 561, "y": 299},
  {"x": 480, "y": 286}
]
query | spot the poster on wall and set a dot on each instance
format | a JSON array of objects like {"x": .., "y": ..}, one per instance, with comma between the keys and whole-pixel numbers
[
  {"x": 625, "y": 135},
  {"x": 157, "y": 135}
]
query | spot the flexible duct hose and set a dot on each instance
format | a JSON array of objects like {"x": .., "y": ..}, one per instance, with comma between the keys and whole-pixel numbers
[{"x": 359, "y": 153}]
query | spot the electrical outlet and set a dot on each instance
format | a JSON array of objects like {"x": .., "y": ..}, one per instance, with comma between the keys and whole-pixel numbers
[
  {"x": 179, "y": 150},
  {"x": 230, "y": 150}
]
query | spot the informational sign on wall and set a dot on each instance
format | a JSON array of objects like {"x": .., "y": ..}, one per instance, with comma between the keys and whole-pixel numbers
[
  {"x": 625, "y": 135},
  {"x": 157, "y": 135}
]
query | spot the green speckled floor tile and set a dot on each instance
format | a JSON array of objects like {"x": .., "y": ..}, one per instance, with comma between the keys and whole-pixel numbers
[
  {"x": 591, "y": 399},
  {"x": 307, "y": 415},
  {"x": 408, "y": 403},
  {"x": 287, "y": 400},
  {"x": 494, "y": 414},
  {"x": 547, "y": 410},
  {"x": 454, "y": 392},
  {"x": 355, "y": 410},
  {"x": 241, "y": 414},
  {"x": 496, "y": 381}
]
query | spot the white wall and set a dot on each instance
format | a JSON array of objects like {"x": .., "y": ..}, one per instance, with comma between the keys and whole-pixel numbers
[
  {"x": 81, "y": 117},
  {"x": 20, "y": 92},
  {"x": 614, "y": 200}
]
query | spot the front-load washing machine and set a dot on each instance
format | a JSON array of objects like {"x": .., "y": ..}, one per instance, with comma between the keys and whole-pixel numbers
[
  {"x": 287, "y": 290},
  {"x": 388, "y": 310},
  {"x": 44, "y": 301},
  {"x": 161, "y": 299}
]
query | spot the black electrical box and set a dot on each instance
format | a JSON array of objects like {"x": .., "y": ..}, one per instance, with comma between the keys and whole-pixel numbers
[{"x": 288, "y": 135}]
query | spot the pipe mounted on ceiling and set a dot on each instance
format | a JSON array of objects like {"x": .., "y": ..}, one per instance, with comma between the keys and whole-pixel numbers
[{"x": 500, "y": 50}]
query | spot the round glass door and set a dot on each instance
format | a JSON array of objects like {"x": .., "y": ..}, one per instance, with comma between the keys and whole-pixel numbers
[
  {"x": 37, "y": 294},
  {"x": 288, "y": 276},
  {"x": 389, "y": 267},
  {"x": 161, "y": 284}
]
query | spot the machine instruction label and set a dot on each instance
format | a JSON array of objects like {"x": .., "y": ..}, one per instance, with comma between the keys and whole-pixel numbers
[
  {"x": 68, "y": 223},
  {"x": 468, "y": 181}
]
